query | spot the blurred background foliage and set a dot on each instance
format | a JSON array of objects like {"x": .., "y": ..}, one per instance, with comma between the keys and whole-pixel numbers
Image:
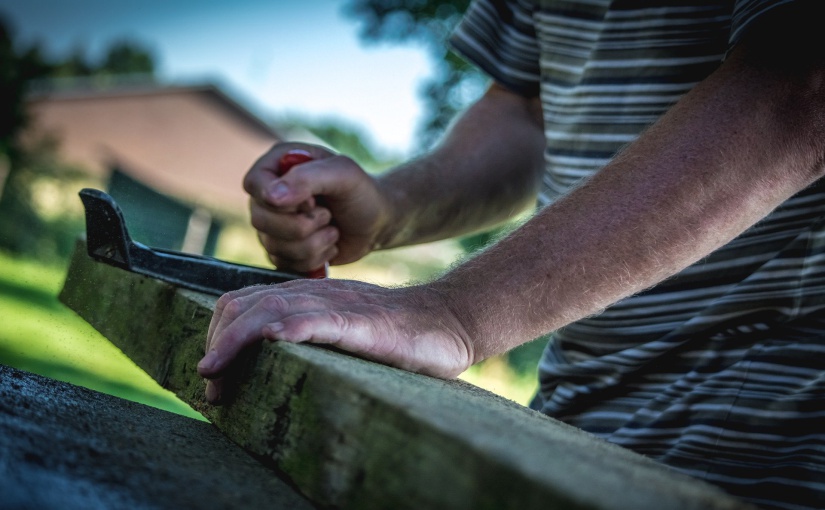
[
  {"x": 36, "y": 216},
  {"x": 40, "y": 216},
  {"x": 455, "y": 84},
  {"x": 346, "y": 138}
]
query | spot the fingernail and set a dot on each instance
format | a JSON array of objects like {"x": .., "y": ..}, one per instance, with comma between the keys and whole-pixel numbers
[
  {"x": 208, "y": 361},
  {"x": 212, "y": 393},
  {"x": 278, "y": 191},
  {"x": 273, "y": 328}
]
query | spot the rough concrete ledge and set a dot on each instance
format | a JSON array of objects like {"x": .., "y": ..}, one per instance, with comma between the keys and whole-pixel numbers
[
  {"x": 350, "y": 433},
  {"x": 68, "y": 448}
]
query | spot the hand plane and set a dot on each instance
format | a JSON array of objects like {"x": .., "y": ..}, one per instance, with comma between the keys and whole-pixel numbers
[{"x": 108, "y": 241}]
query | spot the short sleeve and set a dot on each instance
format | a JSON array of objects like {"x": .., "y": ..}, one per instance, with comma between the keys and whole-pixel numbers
[{"x": 498, "y": 36}]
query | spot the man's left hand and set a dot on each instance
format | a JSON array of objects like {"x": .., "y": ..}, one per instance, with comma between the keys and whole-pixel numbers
[{"x": 411, "y": 328}]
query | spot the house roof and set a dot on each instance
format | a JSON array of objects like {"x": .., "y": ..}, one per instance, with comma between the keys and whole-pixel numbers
[{"x": 192, "y": 142}]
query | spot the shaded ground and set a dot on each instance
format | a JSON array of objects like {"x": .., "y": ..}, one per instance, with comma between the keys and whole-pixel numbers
[{"x": 66, "y": 447}]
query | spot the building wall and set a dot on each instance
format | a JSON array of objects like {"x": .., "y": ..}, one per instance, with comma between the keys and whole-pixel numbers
[{"x": 189, "y": 143}]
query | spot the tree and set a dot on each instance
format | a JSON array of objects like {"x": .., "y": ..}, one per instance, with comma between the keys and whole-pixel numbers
[
  {"x": 23, "y": 229},
  {"x": 17, "y": 69},
  {"x": 343, "y": 137},
  {"x": 127, "y": 57},
  {"x": 122, "y": 58},
  {"x": 20, "y": 67},
  {"x": 456, "y": 83}
]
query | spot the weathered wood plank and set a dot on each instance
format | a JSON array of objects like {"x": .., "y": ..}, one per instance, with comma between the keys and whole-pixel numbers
[
  {"x": 63, "y": 447},
  {"x": 354, "y": 434}
]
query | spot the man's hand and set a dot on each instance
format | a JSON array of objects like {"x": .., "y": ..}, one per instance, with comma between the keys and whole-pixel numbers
[
  {"x": 412, "y": 328},
  {"x": 301, "y": 233}
]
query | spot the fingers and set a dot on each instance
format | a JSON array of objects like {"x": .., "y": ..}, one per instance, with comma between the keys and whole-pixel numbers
[
  {"x": 296, "y": 241},
  {"x": 404, "y": 327},
  {"x": 320, "y": 327},
  {"x": 230, "y": 337},
  {"x": 295, "y": 233},
  {"x": 220, "y": 306},
  {"x": 236, "y": 325},
  {"x": 214, "y": 390},
  {"x": 289, "y": 225},
  {"x": 237, "y": 322},
  {"x": 262, "y": 182},
  {"x": 327, "y": 326},
  {"x": 305, "y": 255},
  {"x": 221, "y": 317},
  {"x": 335, "y": 176},
  {"x": 245, "y": 317},
  {"x": 286, "y": 194},
  {"x": 350, "y": 199},
  {"x": 231, "y": 330}
]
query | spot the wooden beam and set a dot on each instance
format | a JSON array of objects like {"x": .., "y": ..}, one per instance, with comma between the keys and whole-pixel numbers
[{"x": 354, "y": 434}]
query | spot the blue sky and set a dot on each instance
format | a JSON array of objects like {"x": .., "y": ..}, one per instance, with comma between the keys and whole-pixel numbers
[{"x": 278, "y": 56}]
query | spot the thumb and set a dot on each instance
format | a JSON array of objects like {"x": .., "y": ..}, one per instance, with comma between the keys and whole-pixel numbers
[
  {"x": 289, "y": 191},
  {"x": 260, "y": 179},
  {"x": 335, "y": 177}
]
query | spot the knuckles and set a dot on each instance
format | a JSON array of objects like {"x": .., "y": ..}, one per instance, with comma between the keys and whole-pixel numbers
[
  {"x": 311, "y": 251},
  {"x": 345, "y": 162},
  {"x": 252, "y": 180},
  {"x": 257, "y": 218},
  {"x": 288, "y": 226},
  {"x": 350, "y": 170},
  {"x": 223, "y": 301},
  {"x": 274, "y": 304},
  {"x": 341, "y": 321},
  {"x": 232, "y": 309}
]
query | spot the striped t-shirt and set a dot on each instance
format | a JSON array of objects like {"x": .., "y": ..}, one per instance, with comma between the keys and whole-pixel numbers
[{"x": 720, "y": 370}]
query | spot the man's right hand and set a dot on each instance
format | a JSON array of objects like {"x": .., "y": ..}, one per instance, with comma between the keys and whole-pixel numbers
[{"x": 325, "y": 210}]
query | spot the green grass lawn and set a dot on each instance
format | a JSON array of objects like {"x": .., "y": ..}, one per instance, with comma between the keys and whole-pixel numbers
[{"x": 41, "y": 335}]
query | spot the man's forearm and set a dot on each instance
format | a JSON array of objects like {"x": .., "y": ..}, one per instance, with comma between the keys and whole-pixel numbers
[
  {"x": 734, "y": 148},
  {"x": 739, "y": 144},
  {"x": 485, "y": 171}
]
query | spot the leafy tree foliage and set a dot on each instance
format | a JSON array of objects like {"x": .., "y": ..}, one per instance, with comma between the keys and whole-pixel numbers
[
  {"x": 456, "y": 83},
  {"x": 17, "y": 68},
  {"x": 125, "y": 57},
  {"x": 20, "y": 67},
  {"x": 343, "y": 137},
  {"x": 25, "y": 169},
  {"x": 121, "y": 58}
]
